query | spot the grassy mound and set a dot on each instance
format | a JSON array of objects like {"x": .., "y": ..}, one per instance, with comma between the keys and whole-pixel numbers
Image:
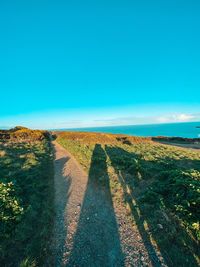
[
  {"x": 26, "y": 199},
  {"x": 101, "y": 138},
  {"x": 21, "y": 134},
  {"x": 176, "y": 139}
]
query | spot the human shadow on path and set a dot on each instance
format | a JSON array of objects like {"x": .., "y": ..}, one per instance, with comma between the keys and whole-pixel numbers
[
  {"x": 97, "y": 242},
  {"x": 119, "y": 160}
]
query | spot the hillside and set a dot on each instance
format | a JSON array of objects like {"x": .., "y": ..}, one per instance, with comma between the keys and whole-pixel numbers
[
  {"x": 155, "y": 186},
  {"x": 158, "y": 185},
  {"x": 26, "y": 196},
  {"x": 20, "y": 134}
]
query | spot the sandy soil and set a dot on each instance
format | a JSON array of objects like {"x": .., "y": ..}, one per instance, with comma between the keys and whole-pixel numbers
[{"x": 88, "y": 230}]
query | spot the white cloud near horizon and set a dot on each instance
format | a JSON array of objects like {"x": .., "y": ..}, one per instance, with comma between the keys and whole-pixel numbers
[
  {"x": 65, "y": 121},
  {"x": 178, "y": 118},
  {"x": 133, "y": 120}
]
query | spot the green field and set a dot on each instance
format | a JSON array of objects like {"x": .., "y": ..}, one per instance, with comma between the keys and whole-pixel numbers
[
  {"x": 158, "y": 185},
  {"x": 26, "y": 201}
]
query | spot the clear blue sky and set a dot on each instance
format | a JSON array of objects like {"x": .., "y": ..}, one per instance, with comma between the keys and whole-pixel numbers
[{"x": 88, "y": 63}]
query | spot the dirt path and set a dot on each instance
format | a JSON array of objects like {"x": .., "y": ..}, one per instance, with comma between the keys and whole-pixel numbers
[
  {"x": 194, "y": 147},
  {"x": 89, "y": 231}
]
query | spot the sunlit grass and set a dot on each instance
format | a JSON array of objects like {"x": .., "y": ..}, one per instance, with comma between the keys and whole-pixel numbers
[{"x": 159, "y": 186}]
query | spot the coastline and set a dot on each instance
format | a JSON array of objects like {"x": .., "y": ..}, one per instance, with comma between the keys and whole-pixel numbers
[{"x": 184, "y": 130}]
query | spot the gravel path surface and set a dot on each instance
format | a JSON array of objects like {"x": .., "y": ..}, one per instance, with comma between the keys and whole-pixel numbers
[{"x": 88, "y": 230}]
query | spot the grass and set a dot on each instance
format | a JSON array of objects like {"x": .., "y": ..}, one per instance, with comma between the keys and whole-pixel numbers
[
  {"x": 177, "y": 140},
  {"x": 158, "y": 185},
  {"x": 26, "y": 201}
]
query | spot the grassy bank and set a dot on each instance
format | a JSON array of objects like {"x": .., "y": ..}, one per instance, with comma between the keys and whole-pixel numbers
[
  {"x": 158, "y": 185},
  {"x": 26, "y": 198},
  {"x": 176, "y": 140}
]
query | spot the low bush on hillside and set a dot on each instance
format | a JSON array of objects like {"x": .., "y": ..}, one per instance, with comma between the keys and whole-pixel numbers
[
  {"x": 178, "y": 191},
  {"x": 176, "y": 139},
  {"x": 11, "y": 208},
  {"x": 21, "y": 134},
  {"x": 17, "y": 128},
  {"x": 26, "y": 201}
]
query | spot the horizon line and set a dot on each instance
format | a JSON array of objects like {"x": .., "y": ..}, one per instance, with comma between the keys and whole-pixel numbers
[{"x": 107, "y": 126}]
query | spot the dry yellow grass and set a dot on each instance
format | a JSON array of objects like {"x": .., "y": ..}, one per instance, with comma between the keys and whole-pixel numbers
[
  {"x": 101, "y": 138},
  {"x": 21, "y": 134},
  {"x": 2, "y": 153}
]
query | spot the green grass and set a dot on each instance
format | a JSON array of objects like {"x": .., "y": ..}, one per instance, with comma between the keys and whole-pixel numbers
[
  {"x": 26, "y": 202},
  {"x": 158, "y": 185}
]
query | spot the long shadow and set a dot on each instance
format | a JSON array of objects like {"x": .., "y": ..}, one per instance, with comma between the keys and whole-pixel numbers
[
  {"x": 119, "y": 158},
  {"x": 97, "y": 242}
]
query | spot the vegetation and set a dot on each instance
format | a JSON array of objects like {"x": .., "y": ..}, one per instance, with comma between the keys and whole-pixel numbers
[
  {"x": 21, "y": 134},
  {"x": 101, "y": 138},
  {"x": 158, "y": 185},
  {"x": 176, "y": 139},
  {"x": 26, "y": 198}
]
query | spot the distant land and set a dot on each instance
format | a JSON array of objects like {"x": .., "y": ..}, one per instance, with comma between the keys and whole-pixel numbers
[{"x": 181, "y": 129}]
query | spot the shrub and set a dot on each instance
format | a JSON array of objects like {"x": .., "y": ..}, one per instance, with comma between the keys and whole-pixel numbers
[
  {"x": 180, "y": 192},
  {"x": 11, "y": 211},
  {"x": 21, "y": 134}
]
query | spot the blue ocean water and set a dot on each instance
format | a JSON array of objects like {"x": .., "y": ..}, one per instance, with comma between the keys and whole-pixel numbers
[{"x": 185, "y": 129}]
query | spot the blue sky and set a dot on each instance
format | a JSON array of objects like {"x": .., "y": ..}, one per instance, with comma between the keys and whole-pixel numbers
[{"x": 94, "y": 63}]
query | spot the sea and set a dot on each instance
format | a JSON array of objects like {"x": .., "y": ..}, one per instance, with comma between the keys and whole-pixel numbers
[{"x": 181, "y": 129}]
